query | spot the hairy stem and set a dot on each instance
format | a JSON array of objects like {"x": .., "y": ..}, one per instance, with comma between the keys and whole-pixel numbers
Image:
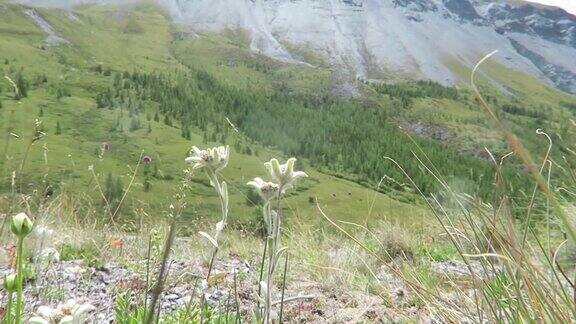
[
  {"x": 8, "y": 316},
  {"x": 20, "y": 279}
]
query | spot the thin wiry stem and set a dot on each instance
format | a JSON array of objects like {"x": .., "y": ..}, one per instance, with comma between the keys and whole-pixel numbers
[
  {"x": 159, "y": 286},
  {"x": 20, "y": 278},
  {"x": 95, "y": 177},
  {"x": 522, "y": 153},
  {"x": 262, "y": 263},
  {"x": 533, "y": 197},
  {"x": 129, "y": 186},
  {"x": 283, "y": 289}
]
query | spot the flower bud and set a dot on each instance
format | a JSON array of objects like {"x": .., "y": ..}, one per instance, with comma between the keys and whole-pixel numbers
[
  {"x": 21, "y": 225},
  {"x": 10, "y": 283}
]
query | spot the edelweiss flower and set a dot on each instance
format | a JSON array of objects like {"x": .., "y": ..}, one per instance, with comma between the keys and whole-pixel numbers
[
  {"x": 267, "y": 190},
  {"x": 284, "y": 174},
  {"x": 42, "y": 231},
  {"x": 215, "y": 158},
  {"x": 69, "y": 312},
  {"x": 49, "y": 255}
]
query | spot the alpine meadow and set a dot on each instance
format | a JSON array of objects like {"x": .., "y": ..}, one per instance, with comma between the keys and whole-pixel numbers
[{"x": 276, "y": 161}]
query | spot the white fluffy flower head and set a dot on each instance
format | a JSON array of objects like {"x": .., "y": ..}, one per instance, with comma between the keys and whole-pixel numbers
[
  {"x": 43, "y": 231},
  {"x": 267, "y": 190},
  {"x": 69, "y": 312},
  {"x": 215, "y": 158},
  {"x": 284, "y": 174}
]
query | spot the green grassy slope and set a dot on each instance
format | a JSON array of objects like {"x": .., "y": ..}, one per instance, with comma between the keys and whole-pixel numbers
[
  {"x": 106, "y": 41},
  {"x": 540, "y": 106},
  {"x": 103, "y": 38}
]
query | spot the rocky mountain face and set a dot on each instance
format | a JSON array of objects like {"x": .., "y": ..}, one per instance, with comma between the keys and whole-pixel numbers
[{"x": 387, "y": 39}]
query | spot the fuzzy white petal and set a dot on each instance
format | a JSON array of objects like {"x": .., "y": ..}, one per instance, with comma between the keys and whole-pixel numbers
[
  {"x": 38, "y": 320},
  {"x": 68, "y": 319},
  {"x": 45, "y": 311},
  {"x": 299, "y": 174},
  {"x": 83, "y": 309},
  {"x": 196, "y": 150}
]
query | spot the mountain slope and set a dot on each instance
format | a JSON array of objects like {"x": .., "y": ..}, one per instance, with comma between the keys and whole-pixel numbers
[
  {"x": 384, "y": 39},
  {"x": 394, "y": 39},
  {"x": 162, "y": 87},
  {"x": 64, "y": 80}
]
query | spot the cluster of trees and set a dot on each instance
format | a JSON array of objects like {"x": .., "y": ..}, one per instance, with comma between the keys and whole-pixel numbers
[
  {"x": 405, "y": 92},
  {"x": 521, "y": 111},
  {"x": 346, "y": 137}
]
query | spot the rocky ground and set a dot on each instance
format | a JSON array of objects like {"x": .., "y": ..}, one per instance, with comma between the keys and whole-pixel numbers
[{"x": 309, "y": 301}]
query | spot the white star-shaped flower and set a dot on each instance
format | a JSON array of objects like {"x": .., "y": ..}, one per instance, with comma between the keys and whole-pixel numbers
[
  {"x": 284, "y": 174},
  {"x": 215, "y": 158}
]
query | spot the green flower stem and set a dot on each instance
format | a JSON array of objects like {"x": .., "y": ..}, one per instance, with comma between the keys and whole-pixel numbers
[
  {"x": 8, "y": 316},
  {"x": 20, "y": 278},
  {"x": 221, "y": 195},
  {"x": 274, "y": 235},
  {"x": 224, "y": 208},
  {"x": 261, "y": 277},
  {"x": 222, "y": 192}
]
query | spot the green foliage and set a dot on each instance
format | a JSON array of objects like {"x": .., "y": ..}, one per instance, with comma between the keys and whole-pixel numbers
[
  {"x": 134, "y": 123},
  {"x": 147, "y": 178},
  {"x": 437, "y": 252},
  {"x": 128, "y": 311},
  {"x": 113, "y": 191},
  {"x": 569, "y": 105},
  {"x": 133, "y": 27},
  {"x": 58, "y": 128},
  {"x": 22, "y": 85},
  {"x": 88, "y": 253},
  {"x": 497, "y": 287},
  {"x": 62, "y": 92},
  {"x": 253, "y": 198},
  {"x": 419, "y": 89},
  {"x": 347, "y": 137},
  {"x": 518, "y": 110}
]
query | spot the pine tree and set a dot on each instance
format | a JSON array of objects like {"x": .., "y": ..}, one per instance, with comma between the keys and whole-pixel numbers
[
  {"x": 167, "y": 120},
  {"x": 118, "y": 188},
  {"x": 134, "y": 124},
  {"x": 22, "y": 85},
  {"x": 109, "y": 189},
  {"x": 147, "y": 180}
]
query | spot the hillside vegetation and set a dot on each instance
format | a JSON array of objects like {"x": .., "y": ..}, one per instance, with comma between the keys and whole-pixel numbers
[
  {"x": 68, "y": 89},
  {"x": 410, "y": 192},
  {"x": 162, "y": 113}
]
